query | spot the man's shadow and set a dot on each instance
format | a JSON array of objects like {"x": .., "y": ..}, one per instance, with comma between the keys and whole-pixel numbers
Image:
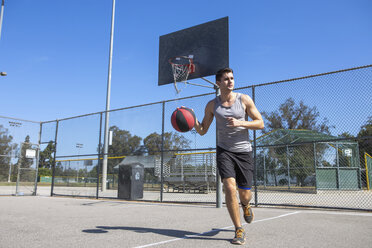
[{"x": 165, "y": 232}]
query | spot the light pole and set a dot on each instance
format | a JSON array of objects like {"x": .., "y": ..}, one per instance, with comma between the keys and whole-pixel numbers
[
  {"x": 105, "y": 144},
  {"x": 1, "y": 15},
  {"x": 1, "y": 24},
  {"x": 78, "y": 146}
]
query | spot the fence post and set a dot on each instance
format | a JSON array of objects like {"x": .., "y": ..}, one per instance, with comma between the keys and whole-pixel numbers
[
  {"x": 255, "y": 156},
  {"x": 37, "y": 159},
  {"x": 99, "y": 154},
  {"x": 54, "y": 159},
  {"x": 218, "y": 177},
  {"x": 338, "y": 167},
  {"x": 288, "y": 169},
  {"x": 19, "y": 169},
  {"x": 315, "y": 166},
  {"x": 162, "y": 154},
  {"x": 264, "y": 170}
]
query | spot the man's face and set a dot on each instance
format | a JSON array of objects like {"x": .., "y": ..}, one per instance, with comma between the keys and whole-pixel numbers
[{"x": 227, "y": 81}]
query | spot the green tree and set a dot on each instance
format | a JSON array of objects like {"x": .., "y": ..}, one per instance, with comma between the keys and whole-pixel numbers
[
  {"x": 46, "y": 158},
  {"x": 6, "y": 148},
  {"x": 365, "y": 144},
  {"x": 123, "y": 144},
  {"x": 295, "y": 116},
  {"x": 172, "y": 141},
  {"x": 269, "y": 167},
  {"x": 24, "y": 162},
  {"x": 346, "y": 135},
  {"x": 44, "y": 172}
]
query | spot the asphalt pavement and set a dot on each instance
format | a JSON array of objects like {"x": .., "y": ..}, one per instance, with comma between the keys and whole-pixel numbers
[{"x": 40, "y": 221}]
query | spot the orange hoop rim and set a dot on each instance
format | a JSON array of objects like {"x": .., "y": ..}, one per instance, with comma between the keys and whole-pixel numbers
[{"x": 190, "y": 65}]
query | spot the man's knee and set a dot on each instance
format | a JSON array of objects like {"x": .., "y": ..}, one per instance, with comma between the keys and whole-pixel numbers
[
  {"x": 229, "y": 185},
  {"x": 245, "y": 196},
  {"x": 245, "y": 191}
]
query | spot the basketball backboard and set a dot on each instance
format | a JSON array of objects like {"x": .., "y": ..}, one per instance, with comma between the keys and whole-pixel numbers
[{"x": 207, "y": 43}]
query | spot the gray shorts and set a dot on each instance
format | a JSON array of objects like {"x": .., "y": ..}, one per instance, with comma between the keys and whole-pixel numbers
[{"x": 238, "y": 165}]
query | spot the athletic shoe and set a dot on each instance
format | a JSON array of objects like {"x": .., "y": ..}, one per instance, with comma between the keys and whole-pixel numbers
[
  {"x": 248, "y": 213},
  {"x": 239, "y": 238}
]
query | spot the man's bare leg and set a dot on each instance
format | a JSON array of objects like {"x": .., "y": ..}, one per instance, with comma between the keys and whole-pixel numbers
[
  {"x": 232, "y": 202},
  {"x": 245, "y": 197},
  {"x": 234, "y": 211}
]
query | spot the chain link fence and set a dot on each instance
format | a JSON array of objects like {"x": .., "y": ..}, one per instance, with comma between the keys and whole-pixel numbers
[
  {"x": 315, "y": 150},
  {"x": 19, "y": 151},
  {"x": 317, "y": 130}
]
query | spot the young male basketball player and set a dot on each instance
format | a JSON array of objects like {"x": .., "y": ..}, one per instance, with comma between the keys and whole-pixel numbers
[{"x": 234, "y": 151}]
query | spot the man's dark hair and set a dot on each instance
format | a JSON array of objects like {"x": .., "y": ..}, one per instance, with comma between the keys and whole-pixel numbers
[{"x": 221, "y": 72}]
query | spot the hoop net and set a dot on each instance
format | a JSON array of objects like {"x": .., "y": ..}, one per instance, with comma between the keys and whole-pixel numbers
[{"x": 182, "y": 66}]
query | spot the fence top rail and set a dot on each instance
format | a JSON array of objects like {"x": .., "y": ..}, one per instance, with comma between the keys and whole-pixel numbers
[
  {"x": 306, "y": 77},
  {"x": 193, "y": 153},
  {"x": 83, "y": 159},
  {"x": 18, "y": 119},
  {"x": 212, "y": 93},
  {"x": 340, "y": 167}
]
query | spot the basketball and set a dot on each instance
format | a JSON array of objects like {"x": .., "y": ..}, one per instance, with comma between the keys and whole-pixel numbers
[{"x": 183, "y": 119}]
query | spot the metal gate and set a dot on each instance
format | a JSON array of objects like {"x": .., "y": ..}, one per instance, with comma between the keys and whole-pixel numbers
[{"x": 27, "y": 169}]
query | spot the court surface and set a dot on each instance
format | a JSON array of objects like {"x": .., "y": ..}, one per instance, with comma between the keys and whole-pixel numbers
[{"x": 39, "y": 221}]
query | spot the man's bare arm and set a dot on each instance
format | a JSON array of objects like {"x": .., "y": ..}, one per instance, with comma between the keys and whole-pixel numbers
[{"x": 202, "y": 128}]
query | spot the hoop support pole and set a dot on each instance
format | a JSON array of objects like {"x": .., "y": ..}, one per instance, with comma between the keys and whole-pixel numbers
[
  {"x": 215, "y": 85},
  {"x": 200, "y": 85}
]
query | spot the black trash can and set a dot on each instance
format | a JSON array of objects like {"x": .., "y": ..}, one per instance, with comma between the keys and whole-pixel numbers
[{"x": 131, "y": 179}]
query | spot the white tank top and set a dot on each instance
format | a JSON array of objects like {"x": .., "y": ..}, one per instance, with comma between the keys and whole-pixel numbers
[{"x": 234, "y": 139}]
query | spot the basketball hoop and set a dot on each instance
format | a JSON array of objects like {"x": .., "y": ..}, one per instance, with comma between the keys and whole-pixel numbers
[{"x": 182, "y": 66}]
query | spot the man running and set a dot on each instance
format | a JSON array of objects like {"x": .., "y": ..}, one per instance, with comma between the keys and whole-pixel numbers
[{"x": 234, "y": 151}]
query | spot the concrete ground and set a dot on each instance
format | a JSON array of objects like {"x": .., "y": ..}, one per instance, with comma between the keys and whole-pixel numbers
[{"x": 41, "y": 221}]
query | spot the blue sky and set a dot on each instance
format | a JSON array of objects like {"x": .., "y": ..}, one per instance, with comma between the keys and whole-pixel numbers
[{"x": 56, "y": 52}]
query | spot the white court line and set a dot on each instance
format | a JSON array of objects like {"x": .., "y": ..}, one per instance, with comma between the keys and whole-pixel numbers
[
  {"x": 365, "y": 214},
  {"x": 201, "y": 234}
]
